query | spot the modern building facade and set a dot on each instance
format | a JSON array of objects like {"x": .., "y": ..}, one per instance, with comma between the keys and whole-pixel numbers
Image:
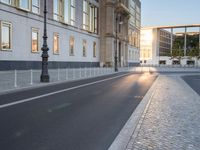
[
  {"x": 81, "y": 33},
  {"x": 153, "y": 43},
  {"x": 157, "y": 45}
]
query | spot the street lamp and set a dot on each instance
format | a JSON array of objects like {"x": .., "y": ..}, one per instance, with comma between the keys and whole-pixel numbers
[
  {"x": 116, "y": 67},
  {"x": 44, "y": 75},
  {"x": 116, "y": 31}
]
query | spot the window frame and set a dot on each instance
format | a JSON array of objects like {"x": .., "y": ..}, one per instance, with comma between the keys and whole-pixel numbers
[
  {"x": 67, "y": 12},
  {"x": 29, "y": 5},
  {"x": 87, "y": 15},
  {"x": 1, "y": 35},
  {"x": 94, "y": 49},
  {"x": 33, "y": 6},
  {"x": 60, "y": 12},
  {"x": 6, "y": 3},
  {"x": 16, "y": 4},
  {"x": 72, "y": 20},
  {"x": 90, "y": 17},
  {"x": 58, "y": 46},
  {"x": 36, "y": 30},
  {"x": 84, "y": 51},
  {"x": 71, "y": 54}
]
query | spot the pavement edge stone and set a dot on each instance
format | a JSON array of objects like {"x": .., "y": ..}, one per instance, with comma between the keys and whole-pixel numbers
[{"x": 122, "y": 140}]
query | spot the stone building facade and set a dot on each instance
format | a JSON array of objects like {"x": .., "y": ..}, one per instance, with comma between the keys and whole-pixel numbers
[
  {"x": 155, "y": 46},
  {"x": 120, "y": 20},
  {"x": 81, "y": 33}
]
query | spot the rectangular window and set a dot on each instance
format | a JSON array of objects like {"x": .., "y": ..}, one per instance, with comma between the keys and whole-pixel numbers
[
  {"x": 36, "y": 6},
  {"x": 24, "y": 4},
  {"x": 95, "y": 20},
  {"x": 84, "y": 48},
  {"x": 90, "y": 17},
  {"x": 6, "y": 39},
  {"x": 58, "y": 10},
  {"x": 71, "y": 45},
  {"x": 85, "y": 15},
  {"x": 6, "y": 1},
  {"x": 35, "y": 40},
  {"x": 66, "y": 11},
  {"x": 69, "y": 11},
  {"x": 94, "y": 49},
  {"x": 56, "y": 43},
  {"x": 73, "y": 12}
]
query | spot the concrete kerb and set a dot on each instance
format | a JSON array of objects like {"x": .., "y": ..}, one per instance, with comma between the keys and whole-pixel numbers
[{"x": 121, "y": 142}]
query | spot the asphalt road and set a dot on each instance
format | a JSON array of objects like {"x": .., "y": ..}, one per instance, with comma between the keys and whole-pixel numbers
[
  {"x": 67, "y": 117},
  {"x": 193, "y": 81}
]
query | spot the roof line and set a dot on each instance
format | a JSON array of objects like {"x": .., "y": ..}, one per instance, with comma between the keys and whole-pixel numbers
[{"x": 174, "y": 26}]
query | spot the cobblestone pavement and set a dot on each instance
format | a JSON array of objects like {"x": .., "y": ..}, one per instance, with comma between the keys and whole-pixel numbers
[{"x": 172, "y": 119}]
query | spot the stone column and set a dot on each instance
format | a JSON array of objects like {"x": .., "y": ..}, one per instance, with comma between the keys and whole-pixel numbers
[
  {"x": 199, "y": 48},
  {"x": 171, "y": 40},
  {"x": 107, "y": 32},
  {"x": 185, "y": 41},
  {"x": 126, "y": 59}
]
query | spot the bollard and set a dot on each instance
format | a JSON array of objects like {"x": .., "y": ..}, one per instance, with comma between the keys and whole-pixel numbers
[
  {"x": 15, "y": 80},
  {"x": 85, "y": 73},
  {"x": 31, "y": 77},
  {"x": 58, "y": 74},
  {"x": 66, "y": 72},
  {"x": 94, "y": 71},
  {"x": 73, "y": 74},
  {"x": 90, "y": 71},
  {"x": 80, "y": 73}
]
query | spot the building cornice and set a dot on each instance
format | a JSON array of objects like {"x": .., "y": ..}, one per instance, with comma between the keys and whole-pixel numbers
[
  {"x": 109, "y": 35},
  {"x": 109, "y": 3},
  {"x": 122, "y": 9}
]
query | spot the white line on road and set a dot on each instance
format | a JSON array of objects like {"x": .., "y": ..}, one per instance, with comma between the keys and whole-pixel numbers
[{"x": 60, "y": 91}]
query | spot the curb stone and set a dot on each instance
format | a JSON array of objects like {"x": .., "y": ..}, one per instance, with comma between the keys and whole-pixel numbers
[{"x": 122, "y": 141}]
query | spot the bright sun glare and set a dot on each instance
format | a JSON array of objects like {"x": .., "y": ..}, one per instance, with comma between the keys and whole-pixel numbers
[{"x": 148, "y": 36}]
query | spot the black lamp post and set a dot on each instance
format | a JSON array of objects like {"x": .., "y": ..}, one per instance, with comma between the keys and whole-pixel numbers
[
  {"x": 44, "y": 75},
  {"x": 116, "y": 36}
]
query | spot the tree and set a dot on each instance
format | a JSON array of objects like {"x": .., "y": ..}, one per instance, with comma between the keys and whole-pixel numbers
[
  {"x": 177, "y": 54},
  {"x": 194, "y": 52},
  {"x": 192, "y": 47}
]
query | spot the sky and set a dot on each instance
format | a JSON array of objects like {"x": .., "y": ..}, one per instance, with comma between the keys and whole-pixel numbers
[{"x": 170, "y": 12}]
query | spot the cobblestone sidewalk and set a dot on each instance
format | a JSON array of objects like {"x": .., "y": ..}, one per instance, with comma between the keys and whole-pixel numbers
[{"x": 172, "y": 119}]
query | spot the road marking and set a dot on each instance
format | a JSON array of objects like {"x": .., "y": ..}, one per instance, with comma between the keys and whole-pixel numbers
[
  {"x": 59, "y": 107},
  {"x": 60, "y": 91}
]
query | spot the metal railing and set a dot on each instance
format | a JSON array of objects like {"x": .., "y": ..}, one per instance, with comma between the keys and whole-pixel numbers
[{"x": 23, "y": 78}]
